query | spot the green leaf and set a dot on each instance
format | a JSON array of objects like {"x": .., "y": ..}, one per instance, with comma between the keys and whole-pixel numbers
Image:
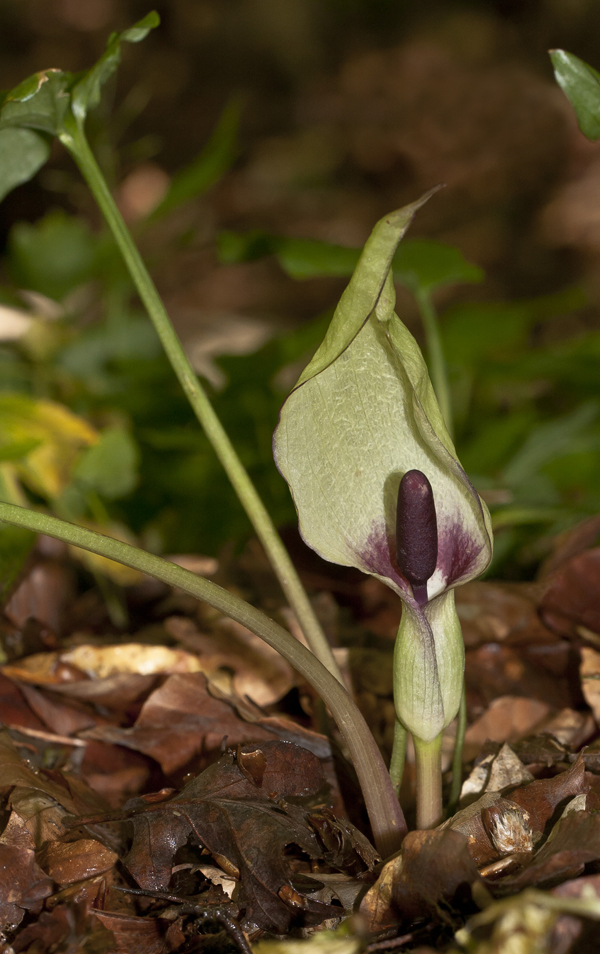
[
  {"x": 235, "y": 247},
  {"x": 110, "y": 466},
  {"x": 306, "y": 258},
  {"x": 44, "y": 101},
  {"x": 424, "y": 265},
  {"x": 40, "y": 102},
  {"x": 15, "y": 546},
  {"x": 53, "y": 256},
  {"x": 581, "y": 85},
  {"x": 86, "y": 92},
  {"x": 16, "y": 450},
  {"x": 214, "y": 160},
  {"x": 22, "y": 153},
  {"x": 549, "y": 441}
]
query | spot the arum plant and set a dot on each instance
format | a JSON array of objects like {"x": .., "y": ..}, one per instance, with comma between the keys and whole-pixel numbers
[
  {"x": 377, "y": 485},
  {"x": 56, "y": 103}
]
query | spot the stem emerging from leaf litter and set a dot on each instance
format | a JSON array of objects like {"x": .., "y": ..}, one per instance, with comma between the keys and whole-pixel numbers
[
  {"x": 75, "y": 141},
  {"x": 439, "y": 378},
  {"x": 429, "y": 782},
  {"x": 461, "y": 728},
  {"x": 398, "y": 756},
  {"x": 385, "y": 814}
]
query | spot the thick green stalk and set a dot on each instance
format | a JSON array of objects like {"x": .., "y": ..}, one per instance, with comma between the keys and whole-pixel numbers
[
  {"x": 76, "y": 142},
  {"x": 398, "y": 756},
  {"x": 429, "y": 782},
  {"x": 385, "y": 814},
  {"x": 435, "y": 354}
]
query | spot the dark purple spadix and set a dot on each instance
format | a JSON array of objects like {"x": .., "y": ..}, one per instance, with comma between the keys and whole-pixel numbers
[{"x": 416, "y": 530}]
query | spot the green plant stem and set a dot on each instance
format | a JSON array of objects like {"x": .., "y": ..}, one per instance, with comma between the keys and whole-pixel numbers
[
  {"x": 77, "y": 144},
  {"x": 398, "y": 756},
  {"x": 429, "y": 782},
  {"x": 461, "y": 728},
  {"x": 435, "y": 353},
  {"x": 385, "y": 814},
  {"x": 439, "y": 378}
]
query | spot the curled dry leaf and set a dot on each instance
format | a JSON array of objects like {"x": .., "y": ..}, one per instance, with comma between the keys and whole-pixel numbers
[
  {"x": 495, "y": 826},
  {"x": 182, "y": 719},
  {"x": 494, "y": 771},
  {"x": 77, "y": 860},
  {"x": 573, "y": 843},
  {"x": 259, "y": 671},
  {"x": 100, "y": 662},
  {"x": 433, "y": 872}
]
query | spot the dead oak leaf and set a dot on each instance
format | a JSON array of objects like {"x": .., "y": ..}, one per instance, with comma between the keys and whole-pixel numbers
[{"x": 243, "y": 820}]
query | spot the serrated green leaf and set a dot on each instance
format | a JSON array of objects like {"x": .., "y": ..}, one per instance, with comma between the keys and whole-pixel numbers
[
  {"x": 86, "y": 92},
  {"x": 214, "y": 160},
  {"x": 580, "y": 83},
  {"x": 110, "y": 466},
  {"x": 22, "y": 153}
]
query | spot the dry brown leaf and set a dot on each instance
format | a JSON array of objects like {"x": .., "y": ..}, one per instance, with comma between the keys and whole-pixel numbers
[
  {"x": 589, "y": 672},
  {"x": 76, "y": 860},
  {"x": 507, "y": 719},
  {"x": 181, "y": 720},
  {"x": 23, "y": 884},
  {"x": 260, "y": 672},
  {"x": 433, "y": 872}
]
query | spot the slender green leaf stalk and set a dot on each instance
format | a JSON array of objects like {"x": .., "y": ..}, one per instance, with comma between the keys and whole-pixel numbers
[
  {"x": 429, "y": 782},
  {"x": 385, "y": 814},
  {"x": 75, "y": 141},
  {"x": 398, "y": 756},
  {"x": 435, "y": 353},
  {"x": 461, "y": 728},
  {"x": 439, "y": 377}
]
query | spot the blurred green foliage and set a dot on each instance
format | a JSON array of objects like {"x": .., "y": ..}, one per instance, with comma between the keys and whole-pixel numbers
[
  {"x": 526, "y": 408},
  {"x": 527, "y": 413}
]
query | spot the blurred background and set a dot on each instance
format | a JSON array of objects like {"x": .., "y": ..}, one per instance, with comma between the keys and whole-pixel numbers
[{"x": 249, "y": 143}]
